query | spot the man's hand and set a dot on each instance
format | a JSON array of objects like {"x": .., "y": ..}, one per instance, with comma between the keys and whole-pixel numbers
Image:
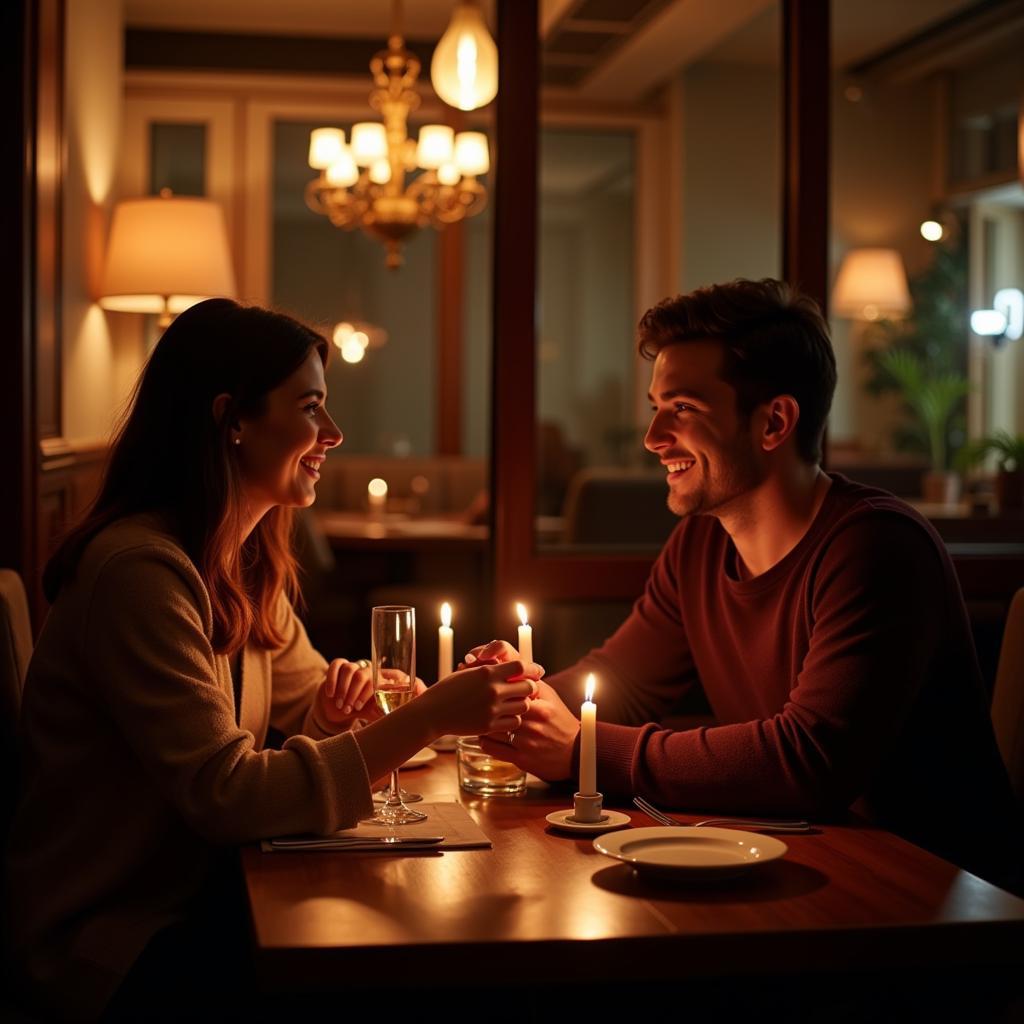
[
  {"x": 544, "y": 742},
  {"x": 496, "y": 652}
]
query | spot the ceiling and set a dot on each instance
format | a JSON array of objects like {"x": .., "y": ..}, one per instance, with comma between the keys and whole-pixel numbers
[{"x": 625, "y": 47}]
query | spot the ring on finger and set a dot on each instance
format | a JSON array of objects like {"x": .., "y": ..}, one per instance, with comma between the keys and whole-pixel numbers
[
  {"x": 362, "y": 663},
  {"x": 512, "y": 738}
]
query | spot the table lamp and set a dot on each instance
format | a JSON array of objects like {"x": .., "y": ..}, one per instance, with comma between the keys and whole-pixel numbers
[{"x": 871, "y": 283}]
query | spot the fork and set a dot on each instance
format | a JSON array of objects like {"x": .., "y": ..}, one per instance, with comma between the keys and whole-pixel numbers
[{"x": 756, "y": 825}]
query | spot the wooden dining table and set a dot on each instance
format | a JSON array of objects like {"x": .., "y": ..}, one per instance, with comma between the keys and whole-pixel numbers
[{"x": 846, "y": 897}]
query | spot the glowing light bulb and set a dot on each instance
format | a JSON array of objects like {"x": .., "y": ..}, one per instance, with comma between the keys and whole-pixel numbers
[
  {"x": 464, "y": 69},
  {"x": 932, "y": 230}
]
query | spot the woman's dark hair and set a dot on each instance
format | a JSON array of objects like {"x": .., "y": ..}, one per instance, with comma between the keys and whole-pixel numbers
[
  {"x": 172, "y": 457},
  {"x": 775, "y": 340}
]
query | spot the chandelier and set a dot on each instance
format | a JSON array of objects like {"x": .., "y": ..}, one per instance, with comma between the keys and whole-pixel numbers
[{"x": 363, "y": 184}]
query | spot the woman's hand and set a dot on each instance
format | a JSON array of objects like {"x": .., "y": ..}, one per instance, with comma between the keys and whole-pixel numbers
[
  {"x": 345, "y": 696},
  {"x": 481, "y": 699}
]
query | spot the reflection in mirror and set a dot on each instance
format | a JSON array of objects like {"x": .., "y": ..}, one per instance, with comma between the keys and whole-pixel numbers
[{"x": 925, "y": 105}]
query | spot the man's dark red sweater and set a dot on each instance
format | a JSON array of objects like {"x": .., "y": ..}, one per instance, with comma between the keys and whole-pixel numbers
[{"x": 845, "y": 674}]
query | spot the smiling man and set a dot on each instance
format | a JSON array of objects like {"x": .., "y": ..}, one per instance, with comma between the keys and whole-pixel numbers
[{"x": 822, "y": 619}]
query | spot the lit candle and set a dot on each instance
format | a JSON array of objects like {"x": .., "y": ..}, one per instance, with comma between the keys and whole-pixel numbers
[
  {"x": 445, "y": 644},
  {"x": 525, "y": 634},
  {"x": 377, "y": 494},
  {"x": 588, "y": 741}
]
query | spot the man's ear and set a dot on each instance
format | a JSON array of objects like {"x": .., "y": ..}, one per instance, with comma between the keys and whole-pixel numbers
[{"x": 781, "y": 415}]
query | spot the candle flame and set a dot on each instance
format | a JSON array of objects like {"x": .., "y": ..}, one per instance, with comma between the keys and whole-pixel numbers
[
  {"x": 521, "y": 612},
  {"x": 377, "y": 487},
  {"x": 446, "y": 614},
  {"x": 591, "y": 682}
]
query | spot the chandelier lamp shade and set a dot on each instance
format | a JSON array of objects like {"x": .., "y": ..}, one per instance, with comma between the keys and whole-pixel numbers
[
  {"x": 389, "y": 184},
  {"x": 166, "y": 253}
]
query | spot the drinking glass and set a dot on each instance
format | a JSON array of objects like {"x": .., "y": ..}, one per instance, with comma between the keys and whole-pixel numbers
[{"x": 393, "y": 657}]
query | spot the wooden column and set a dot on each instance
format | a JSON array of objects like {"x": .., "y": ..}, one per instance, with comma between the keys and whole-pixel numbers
[
  {"x": 806, "y": 49},
  {"x": 513, "y": 484},
  {"x": 31, "y": 170}
]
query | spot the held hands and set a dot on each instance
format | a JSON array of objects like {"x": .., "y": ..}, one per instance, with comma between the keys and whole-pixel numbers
[
  {"x": 345, "y": 697},
  {"x": 543, "y": 743},
  {"x": 484, "y": 698}
]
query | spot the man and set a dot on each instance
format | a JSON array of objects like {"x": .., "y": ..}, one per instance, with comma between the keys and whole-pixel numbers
[{"x": 821, "y": 618}]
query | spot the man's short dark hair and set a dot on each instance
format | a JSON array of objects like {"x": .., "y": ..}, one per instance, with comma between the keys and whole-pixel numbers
[{"x": 775, "y": 340}]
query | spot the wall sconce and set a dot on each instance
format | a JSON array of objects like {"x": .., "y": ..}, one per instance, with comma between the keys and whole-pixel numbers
[
  {"x": 871, "y": 283},
  {"x": 166, "y": 253},
  {"x": 1004, "y": 321}
]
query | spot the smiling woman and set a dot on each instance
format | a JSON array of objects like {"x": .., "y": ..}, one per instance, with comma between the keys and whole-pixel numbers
[{"x": 171, "y": 649}]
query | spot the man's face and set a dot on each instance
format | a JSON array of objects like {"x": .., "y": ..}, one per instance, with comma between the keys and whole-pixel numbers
[{"x": 706, "y": 447}]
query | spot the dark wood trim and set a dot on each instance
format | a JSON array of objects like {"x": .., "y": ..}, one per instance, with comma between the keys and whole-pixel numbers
[
  {"x": 513, "y": 430},
  {"x": 31, "y": 173},
  {"x": 50, "y": 164},
  {"x": 806, "y": 49},
  {"x": 166, "y": 49}
]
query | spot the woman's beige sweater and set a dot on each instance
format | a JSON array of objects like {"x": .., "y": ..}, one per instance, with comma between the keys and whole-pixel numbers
[{"x": 134, "y": 770}]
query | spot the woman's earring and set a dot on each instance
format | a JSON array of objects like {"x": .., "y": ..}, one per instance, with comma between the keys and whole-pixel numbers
[{"x": 238, "y": 440}]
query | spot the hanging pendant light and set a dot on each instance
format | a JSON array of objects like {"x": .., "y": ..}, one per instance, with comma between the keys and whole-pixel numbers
[{"x": 464, "y": 71}]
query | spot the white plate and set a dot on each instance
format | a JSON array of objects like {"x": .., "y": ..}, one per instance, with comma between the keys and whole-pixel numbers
[
  {"x": 691, "y": 853},
  {"x": 420, "y": 758},
  {"x": 563, "y": 820}
]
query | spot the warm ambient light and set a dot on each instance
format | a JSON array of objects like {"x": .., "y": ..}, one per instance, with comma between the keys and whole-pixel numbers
[
  {"x": 521, "y": 612},
  {"x": 871, "y": 283},
  {"x": 932, "y": 230},
  {"x": 591, "y": 683},
  {"x": 377, "y": 488},
  {"x": 166, "y": 253},
  {"x": 363, "y": 185},
  {"x": 446, "y": 615},
  {"x": 464, "y": 70}
]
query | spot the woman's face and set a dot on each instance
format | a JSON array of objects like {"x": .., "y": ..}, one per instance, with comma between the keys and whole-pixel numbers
[{"x": 280, "y": 452}]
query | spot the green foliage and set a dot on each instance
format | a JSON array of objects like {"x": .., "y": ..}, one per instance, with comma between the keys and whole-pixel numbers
[
  {"x": 1006, "y": 447},
  {"x": 932, "y": 382},
  {"x": 932, "y": 397}
]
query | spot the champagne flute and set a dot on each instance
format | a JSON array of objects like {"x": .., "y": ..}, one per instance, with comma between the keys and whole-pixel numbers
[{"x": 393, "y": 654}]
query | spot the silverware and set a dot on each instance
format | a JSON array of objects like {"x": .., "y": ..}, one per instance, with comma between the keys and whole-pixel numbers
[
  {"x": 754, "y": 825},
  {"x": 352, "y": 842}
]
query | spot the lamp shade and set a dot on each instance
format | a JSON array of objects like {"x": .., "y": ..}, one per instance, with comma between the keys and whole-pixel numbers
[
  {"x": 464, "y": 68},
  {"x": 166, "y": 254},
  {"x": 870, "y": 283}
]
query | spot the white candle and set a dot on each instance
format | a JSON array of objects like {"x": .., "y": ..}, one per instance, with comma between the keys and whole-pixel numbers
[
  {"x": 525, "y": 634},
  {"x": 377, "y": 494},
  {"x": 588, "y": 742},
  {"x": 445, "y": 642}
]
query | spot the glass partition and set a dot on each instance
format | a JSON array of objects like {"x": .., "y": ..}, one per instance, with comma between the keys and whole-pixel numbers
[{"x": 925, "y": 182}]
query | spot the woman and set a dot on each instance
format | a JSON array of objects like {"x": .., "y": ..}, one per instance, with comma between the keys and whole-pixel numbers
[{"x": 172, "y": 646}]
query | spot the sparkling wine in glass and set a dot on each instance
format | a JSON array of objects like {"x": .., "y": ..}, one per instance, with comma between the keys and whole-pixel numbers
[{"x": 393, "y": 646}]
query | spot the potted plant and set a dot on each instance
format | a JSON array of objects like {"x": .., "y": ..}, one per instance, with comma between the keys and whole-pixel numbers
[
  {"x": 1009, "y": 452},
  {"x": 932, "y": 398}
]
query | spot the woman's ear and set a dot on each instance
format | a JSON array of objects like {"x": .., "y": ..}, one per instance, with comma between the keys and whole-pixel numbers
[{"x": 220, "y": 407}]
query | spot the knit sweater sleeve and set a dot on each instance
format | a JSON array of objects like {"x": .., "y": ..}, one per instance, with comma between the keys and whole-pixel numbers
[
  {"x": 878, "y": 609},
  {"x": 146, "y": 643},
  {"x": 297, "y": 670},
  {"x": 646, "y": 665}
]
